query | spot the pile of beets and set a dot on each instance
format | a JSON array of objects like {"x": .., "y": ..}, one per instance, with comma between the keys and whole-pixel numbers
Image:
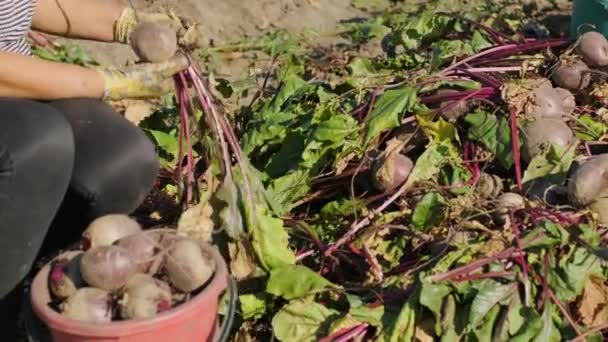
[{"x": 122, "y": 272}]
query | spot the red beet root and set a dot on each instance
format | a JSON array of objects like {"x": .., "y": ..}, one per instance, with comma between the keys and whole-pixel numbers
[
  {"x": 542, "y": 132},
  {"x": 143, "y": 247},
  {"x": 187, "y": 266},
  {"x": 65, "y": 277},
  {"x": 144, "y": 297},
  {"x": 88, "y": 304},
  {"x": 389, "y": 172},
  {"x": 107, "y": 229},
  {"x": 573, "y": 77},
  {"x": 593, "y": 48},
  {"x": 107, "y": 267}
]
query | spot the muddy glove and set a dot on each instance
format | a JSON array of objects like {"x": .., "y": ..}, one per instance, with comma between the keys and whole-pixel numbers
[
  {"x": 187, "y": 32},
  {"x": 147, "y": 80}
]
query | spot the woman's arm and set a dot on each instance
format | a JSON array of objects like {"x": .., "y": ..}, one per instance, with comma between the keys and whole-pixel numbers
[
  {"x": 88, "y": 19},
  {"x": 33, "y": 78},
  {"x": 45, "y": 80}
]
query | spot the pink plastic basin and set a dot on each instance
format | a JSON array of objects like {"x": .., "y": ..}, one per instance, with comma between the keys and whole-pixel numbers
[{"x": 193, "y": 321}]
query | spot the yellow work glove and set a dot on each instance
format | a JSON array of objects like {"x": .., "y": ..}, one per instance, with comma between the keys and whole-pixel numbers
[
  {"x": 187, "y": 32},
  {"x": 146, "y": 80}
]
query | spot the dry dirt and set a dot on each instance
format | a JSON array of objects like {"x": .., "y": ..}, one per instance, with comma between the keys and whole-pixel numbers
[{"x": 228, "y": 20}]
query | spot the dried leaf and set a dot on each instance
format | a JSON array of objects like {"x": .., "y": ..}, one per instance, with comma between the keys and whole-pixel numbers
[
  {"x": 593, "y": 307},
  {"x": 196, "y": 222},
  {"x": 423, "y": 331},
  {"x": 242, "y": 259},
  {"x": 493, "y": 247},
  {"x": 342, "y": 164},
  {"x": 136, "y": 111},
  {"x": 230, "y": 214},
  {"x": 519, "y": 94}
]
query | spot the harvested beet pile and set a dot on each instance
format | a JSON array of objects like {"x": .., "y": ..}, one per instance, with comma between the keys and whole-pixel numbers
[
  {"x": 446, "y": 192},
  {"x": 123, "y": 272}
]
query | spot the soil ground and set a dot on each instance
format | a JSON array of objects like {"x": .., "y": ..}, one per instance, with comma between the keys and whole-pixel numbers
[{"x": 228, "y": 20}]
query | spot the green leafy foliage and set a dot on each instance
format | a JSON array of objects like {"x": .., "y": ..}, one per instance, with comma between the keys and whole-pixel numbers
[
  {"x": 302, "y": 320},
  {"x": 365, "y": 71},
  {"x": 402, "y": 329},
  {"x": 548, "y": 169},
  {"x": 294, "y": 281},
  {"x": 388, "y": 110},
  {"x": 432, "y": 297},
  {"x": 429, "y": 212},
  {"x": 419, "y": 266},
  {"x": 67, "y": 53},
  {"x": 539, "y": 327},
  {"x": 297, "y": 134},
  {"x": 555, "y": 161},
  {"x": 270, "y": 240},
  {"x": 430, "y": 162},
  {"x": 589, "y": 129},
  {"x": 439, "y": 129},
  {"x": 493, "y": 133},
  {"x": 572, "y": 272},
  {"x": 489, "y": 294},
  {"x": 363, "y": 32},
  {"x": 252, "y": 306}
]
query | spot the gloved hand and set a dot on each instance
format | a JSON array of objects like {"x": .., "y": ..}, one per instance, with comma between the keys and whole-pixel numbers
[
  {"x": 187, "y": 32},
  {"x": 146, "y": 80}
]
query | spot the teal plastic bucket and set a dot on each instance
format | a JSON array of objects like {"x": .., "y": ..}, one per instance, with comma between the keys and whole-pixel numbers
[{"x": 589, "y": 12}]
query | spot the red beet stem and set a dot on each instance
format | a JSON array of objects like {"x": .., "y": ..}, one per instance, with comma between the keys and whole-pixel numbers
[
  {"x": 185, "y": 132},
  {"x": 481, "y": 93},
  {"x": 85, "y": 243},
  {"x": 501, "y": 274},
  {"x": 510, "y": 50},
  {"x": 484, "y": 78},
  {"x": 163, "y": 305},
  {"x": 529, "y": 47},
  {"x": 346, "y": 334},
  {"x": 515, "y": 144},
  {"x": 58, "y": 271},
  {"x": 520, "y": 259},
  {"x": 468, "y": 154},
  {"x": 475, "y": 265}
]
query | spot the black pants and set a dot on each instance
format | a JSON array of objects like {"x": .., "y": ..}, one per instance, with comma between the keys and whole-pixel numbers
[{"x": 62, "y": 164}]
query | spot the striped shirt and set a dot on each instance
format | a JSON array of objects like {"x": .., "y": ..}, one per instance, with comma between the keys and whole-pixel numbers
[{"x": 15, "y": 21}]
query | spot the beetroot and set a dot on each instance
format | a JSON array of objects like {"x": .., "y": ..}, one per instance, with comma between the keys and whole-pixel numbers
[
  {"x": 488, "y": 186},
  {"x": 572, "y": 76},
  {"x": 154, "y": 42},
  {"x": 88, "y": 304},
  {"x": 187, "y": 265},
  {"x": 588, "y": 186},
  {"x": 550, "y": 102},
  {"x": 593, "y": 48},
  {"x": 144, "y": 297},
  {"x": 143, "y": 247},
  {"x": 107, "y": 267},
  {"x": 542, "y": 132},
  {"x": 107, "y": 229},
  {"x": 65, "y": 277},
  {"x": 509, "y": 201},
  {"x": 567, "y": 100},
  {"x": 389, "y": 172}
]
